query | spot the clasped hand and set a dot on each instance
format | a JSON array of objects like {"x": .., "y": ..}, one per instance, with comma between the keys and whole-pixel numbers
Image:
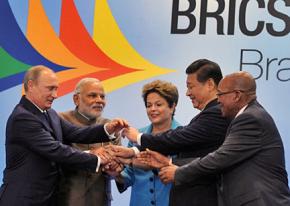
[
  {"x": 116, "y": 125},
  {"x": 113, "y": 158},
  {"x": 161, "y": 162}
]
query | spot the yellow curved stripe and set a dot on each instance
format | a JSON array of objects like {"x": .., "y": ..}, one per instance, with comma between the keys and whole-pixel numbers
[
  {"x": 44, "y": 39},
  {"x": 110, "y": 39},
  {"x": 115, "y": 83}
]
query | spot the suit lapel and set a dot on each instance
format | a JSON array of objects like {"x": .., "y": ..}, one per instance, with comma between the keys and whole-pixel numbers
[
  {"x": 54, "y": 128},
  {"x": 209, "y": 105},
  {"x": 55, "y": 124},
  {"x": 254, "y": 102},
  {"x": 43, "y": 120},
  {"x": 38, "y": 114}
]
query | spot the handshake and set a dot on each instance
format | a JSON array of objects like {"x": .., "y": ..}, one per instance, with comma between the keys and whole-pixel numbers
[{"x": 114, "y": 158}]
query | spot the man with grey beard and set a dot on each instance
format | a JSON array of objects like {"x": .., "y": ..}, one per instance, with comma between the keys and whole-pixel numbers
[{"x": 81, "y": 188}]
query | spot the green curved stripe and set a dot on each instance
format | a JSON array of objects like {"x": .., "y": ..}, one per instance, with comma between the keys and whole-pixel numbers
[{"x": 9, "y": 65}]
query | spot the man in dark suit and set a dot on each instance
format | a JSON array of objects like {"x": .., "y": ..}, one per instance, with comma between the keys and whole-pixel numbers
[
  {"x": 34, "y": 143},
  {"x": 204, "y": 134},
  {"x": 251, "y": 160}
]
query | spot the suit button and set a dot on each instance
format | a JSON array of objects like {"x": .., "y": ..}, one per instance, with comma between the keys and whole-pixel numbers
[
  {"x": 155, "y": 172},
  {"x": 152, "y": 202},
  {"x": 151, "y": 190},
  {"x": 151, "y": 179}
]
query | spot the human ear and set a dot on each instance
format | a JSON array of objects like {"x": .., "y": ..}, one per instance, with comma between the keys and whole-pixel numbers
[
  {"x": 211, "y": 84},
  {"x": 76, "y": 99}
]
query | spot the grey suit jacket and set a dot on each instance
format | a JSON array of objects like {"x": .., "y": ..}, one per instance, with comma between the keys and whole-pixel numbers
[
  {"x": 34, "y": 150},
  {"x": 250, "y": 162}
]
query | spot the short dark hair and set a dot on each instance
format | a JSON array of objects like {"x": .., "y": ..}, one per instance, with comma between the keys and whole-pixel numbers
[{"x": 205, "y": 70}]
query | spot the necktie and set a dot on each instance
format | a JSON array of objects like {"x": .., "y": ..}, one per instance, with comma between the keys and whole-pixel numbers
[
  {"x": 49, "y": 123},
  {"x": 47, "y": 117}
]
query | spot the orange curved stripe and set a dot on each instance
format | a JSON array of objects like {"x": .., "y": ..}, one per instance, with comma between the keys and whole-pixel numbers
[
  {"x": 42, "y": 36},
  {"x": 77, "y": 39},
  {"x": 69, "y": 85}
]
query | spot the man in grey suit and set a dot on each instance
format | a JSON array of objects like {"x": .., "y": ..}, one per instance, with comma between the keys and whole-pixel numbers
[
  {"x": 250, "y": 162},
  {"x": 34, "y": 144}
]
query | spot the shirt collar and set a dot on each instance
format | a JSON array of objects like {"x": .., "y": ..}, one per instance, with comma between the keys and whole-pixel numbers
[
  {"x": 241, "y": 111},
  {"x": 41, "y": 110},
  {"x": 84, "y": 116},
  {"x": 210, "y": 104}
]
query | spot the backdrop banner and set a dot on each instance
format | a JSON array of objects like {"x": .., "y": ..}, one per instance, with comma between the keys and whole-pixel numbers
[{"x": 128, "y": 43}]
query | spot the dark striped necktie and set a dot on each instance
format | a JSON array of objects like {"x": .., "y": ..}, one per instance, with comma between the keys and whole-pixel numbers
[{"x": 46, "y": 117}]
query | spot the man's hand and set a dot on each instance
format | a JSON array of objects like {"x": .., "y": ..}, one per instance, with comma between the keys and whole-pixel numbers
[
  {"x": 166, "y": 174},
  {"x": 113, "y": 168},
  {"x": 101, "y": 152},
  {"x": 120, "y": 151},
  {"x": 153, "y": 159},
  {"x": 124, "y": 161},
  {"x": 131, "y": 133},
  {"x": 116, "y": 125}
]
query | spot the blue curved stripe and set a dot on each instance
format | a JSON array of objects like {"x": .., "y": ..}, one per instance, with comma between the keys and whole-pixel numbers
[
  {"x": 15, "y": 43},
  {"x": 11, "y": 81}
]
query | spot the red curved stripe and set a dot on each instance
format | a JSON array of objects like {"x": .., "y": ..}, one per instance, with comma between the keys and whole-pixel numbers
[
  {"x": 77, "y": 39},
  {"x": 69, "y": 85}
]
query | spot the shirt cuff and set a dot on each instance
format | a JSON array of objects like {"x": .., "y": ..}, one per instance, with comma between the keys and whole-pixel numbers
[
  {"x": 139, "y": 138},
  {"x": 111, "y": 136},
  {"x": 99, "y": 164},
  {"x": 99, "y": 161},
  {"x": 136, "y": 150}
]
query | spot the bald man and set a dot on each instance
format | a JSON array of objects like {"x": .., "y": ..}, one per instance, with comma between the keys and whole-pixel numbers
[
  {"x": 250, "y": 162},
  {"x": 78, "y": 187},
  {"x": 34, "y": 143}
]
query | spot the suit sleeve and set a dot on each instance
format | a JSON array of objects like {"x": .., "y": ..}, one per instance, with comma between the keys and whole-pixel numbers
[
  {"x": 30, "y": 133},
  {"x": 182, "y": 161},
  {"x": 242, "y": 142},
  {"x": 127, "y": 175},
  {"x": 207, "y": 130},
  {"x": 87, "y": 135}
]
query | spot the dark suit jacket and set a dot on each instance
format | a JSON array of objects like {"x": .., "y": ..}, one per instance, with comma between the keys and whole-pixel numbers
[
  {"x": 204, "y": 134},
  {"x": 251, "y": 162},
  {"x": 34, "y": 150}
]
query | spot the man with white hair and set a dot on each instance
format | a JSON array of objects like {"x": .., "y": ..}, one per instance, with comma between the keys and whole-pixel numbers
[{"x": 78, "y": 187}]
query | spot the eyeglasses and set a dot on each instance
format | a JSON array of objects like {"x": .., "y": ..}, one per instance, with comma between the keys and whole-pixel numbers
[{"x": 228, "y": 92}]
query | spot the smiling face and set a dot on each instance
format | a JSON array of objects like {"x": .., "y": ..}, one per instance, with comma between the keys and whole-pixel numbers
[
  {"x": 158, "y": 109},
  {"x": 91, "y": 99},
  {"x": 43, "y": 90},
  {"x": 200, "y": 93}
]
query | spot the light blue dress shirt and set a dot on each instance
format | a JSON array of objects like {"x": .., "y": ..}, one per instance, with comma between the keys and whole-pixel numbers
[{"x": 147, "y": 189}]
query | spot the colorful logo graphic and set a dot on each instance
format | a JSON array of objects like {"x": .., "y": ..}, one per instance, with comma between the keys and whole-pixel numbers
[{"x": 74, "y": 53}]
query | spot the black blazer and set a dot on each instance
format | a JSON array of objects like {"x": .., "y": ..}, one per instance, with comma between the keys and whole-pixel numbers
[
  {"x": 204, "y": 134},
  {"x": 34, "y": 150},
  {"x": 251, "y": 162}
]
